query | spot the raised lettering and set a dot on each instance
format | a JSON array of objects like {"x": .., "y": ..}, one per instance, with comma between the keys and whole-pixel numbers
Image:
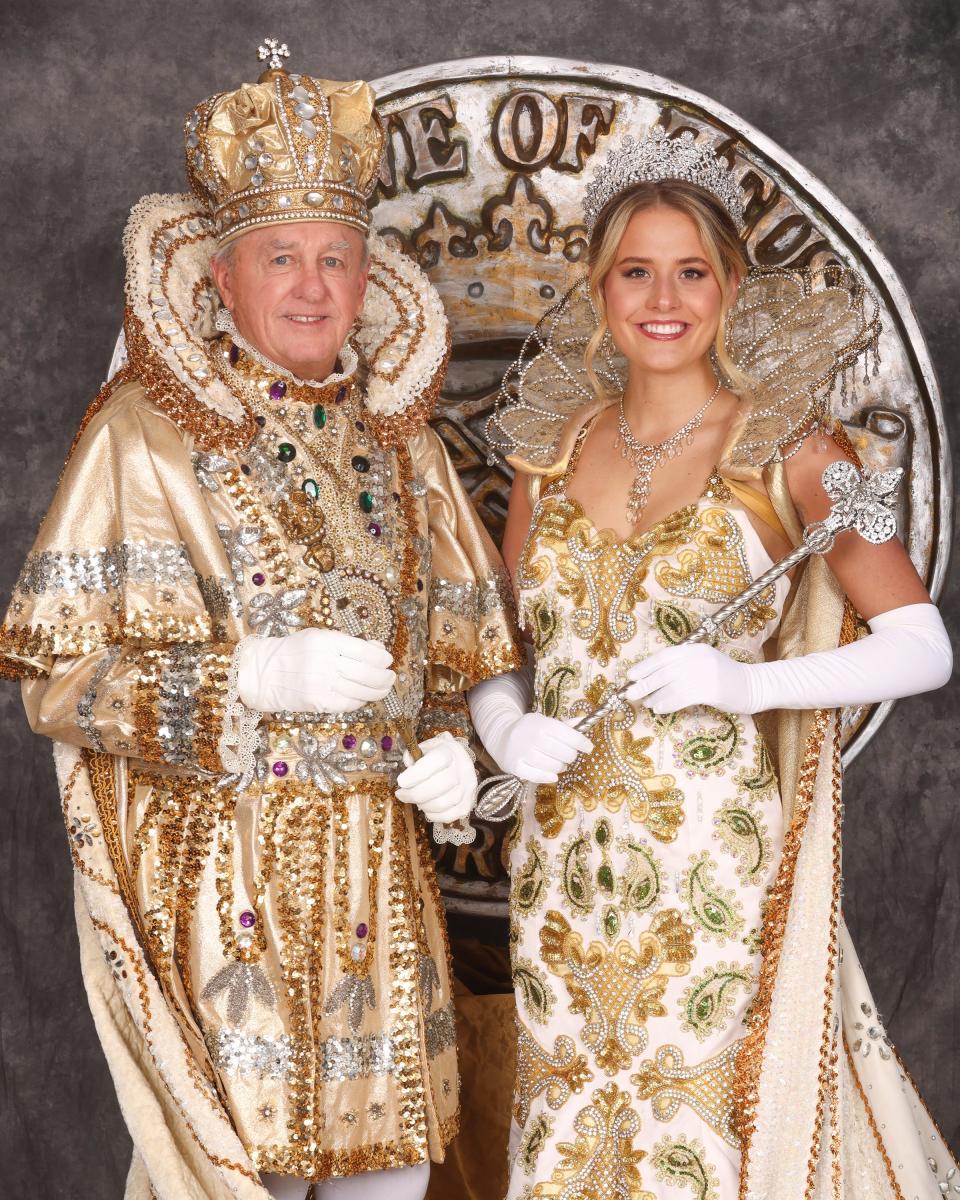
[{"x": 585, "y": 118}]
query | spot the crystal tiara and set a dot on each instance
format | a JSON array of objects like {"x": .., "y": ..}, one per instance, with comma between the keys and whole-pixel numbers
[{"x": 656, "y": 157}]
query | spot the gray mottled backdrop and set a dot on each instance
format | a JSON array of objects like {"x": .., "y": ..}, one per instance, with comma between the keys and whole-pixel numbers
[{"x": 863, "y": 92}]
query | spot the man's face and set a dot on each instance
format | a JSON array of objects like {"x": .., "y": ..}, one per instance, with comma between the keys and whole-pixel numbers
[{"x": 295, "y": 290}]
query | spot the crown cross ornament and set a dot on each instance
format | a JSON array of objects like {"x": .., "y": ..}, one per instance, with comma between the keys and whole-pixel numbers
[
  {"x": 656, "y": 157},
  {"x": 273, "y": 50}
]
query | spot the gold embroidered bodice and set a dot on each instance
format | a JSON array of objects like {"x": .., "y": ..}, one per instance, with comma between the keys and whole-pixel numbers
[{"x": 638, "y": 880}]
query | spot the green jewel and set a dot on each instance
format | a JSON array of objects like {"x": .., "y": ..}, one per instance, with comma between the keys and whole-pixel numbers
[
  {"x": 611, "y": 923},
  {"x": 366, "y": 502},
  {"x": 605, "y": 879},
  {"x": 319, "y": 416},
  {"x": 311, "y": 489},
  {"x": 286, "y": 452},
  {"x": 602, "y": 832}
]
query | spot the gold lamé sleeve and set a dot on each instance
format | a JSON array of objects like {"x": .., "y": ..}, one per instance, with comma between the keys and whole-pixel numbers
[
  {"x": 128, "y": 551},
  {"x": 164, "y": 704},
  {"x": 472, "y": 632}
]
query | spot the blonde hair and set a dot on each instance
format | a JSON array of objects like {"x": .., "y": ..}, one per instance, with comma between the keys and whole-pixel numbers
[{"x": 722, "y": 249}]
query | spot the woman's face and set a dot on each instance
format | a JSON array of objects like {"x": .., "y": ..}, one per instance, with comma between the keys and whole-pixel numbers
[{"x": 663, "y": 300}]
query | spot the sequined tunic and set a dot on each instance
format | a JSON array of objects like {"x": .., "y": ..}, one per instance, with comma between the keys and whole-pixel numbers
[
  {"x": 293, "y": 923},
  {"x": 638, "y": 882}
]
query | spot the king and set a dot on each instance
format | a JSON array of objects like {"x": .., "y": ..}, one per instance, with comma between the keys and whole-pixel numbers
[{"x": 247, "y": 623}]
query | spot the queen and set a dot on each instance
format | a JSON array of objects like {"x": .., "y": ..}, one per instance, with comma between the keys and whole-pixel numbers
[{"x": 684, "y": 980}]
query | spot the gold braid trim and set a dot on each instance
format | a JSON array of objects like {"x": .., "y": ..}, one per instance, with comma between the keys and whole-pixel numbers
[
  {"x": 828, "y": 1067},
  {"x": 101, "y": 769},
  {"x": 216, "y": 1160},
  {"x": 750, "y": 1055},
  {"x": 392, "y": 432},
  {"x": 871, "y": 1121},
  {"x": 78, "y": 862},
  {"x": 211, "y": 432}
]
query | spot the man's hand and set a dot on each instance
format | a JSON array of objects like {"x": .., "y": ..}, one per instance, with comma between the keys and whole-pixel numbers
[
  {"x": 442, "y": 784},
  {"x": 313, "y": 670}
]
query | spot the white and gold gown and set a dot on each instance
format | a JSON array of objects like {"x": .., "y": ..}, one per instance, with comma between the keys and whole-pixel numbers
[{"x": 639, "y": 880}]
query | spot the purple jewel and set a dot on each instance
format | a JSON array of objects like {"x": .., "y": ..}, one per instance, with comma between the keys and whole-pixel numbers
[
  {"x": 419, "y": 585},
  {"x": 247, "y": 919},
  {"x": 374, "y": 528},
  {"x": 278, "y": 389},
  {"x": 259, "y": 578},
  {"x": 349, "y": 741},
  {"x": 244, "y": 468},
  {"x": 261, "y": 421},
  {"x": 362, "y": 930},
  {"x": 280, "y": 768},
  {"x": 340, "y": 396},
  {"x": 234, "y": 355},
  {"x": 386, "y": 742},
  {"x": 396, "y": 497},
  {"x": 360, "y": 425}
]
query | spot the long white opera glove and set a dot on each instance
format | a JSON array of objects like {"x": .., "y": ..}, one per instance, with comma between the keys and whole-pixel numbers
[
  {"x": 907, "y": 652},
  {"x": 528, "y": 745},
  {"x": 312, "y": 670},
  {"x": 442, "y": 784}
]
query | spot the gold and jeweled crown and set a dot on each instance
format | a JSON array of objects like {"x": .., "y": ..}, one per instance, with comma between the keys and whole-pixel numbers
[{"x": 286, "y": 148}]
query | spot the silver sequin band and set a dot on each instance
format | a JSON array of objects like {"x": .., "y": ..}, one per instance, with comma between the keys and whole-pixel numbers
[
  {"x": 242, "y": 1054},
  {"x": 471, "y": 600},
  {"x": 85, "y": 722},
  {"x": 105, "y": 569}
]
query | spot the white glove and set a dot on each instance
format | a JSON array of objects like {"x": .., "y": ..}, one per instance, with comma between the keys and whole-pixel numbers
[
  {"x": 312, "y": 670},
  {"x": 907, "y": 652},
  {"x": 528, "y": 745},
  {"x": 442, "y": 784}
]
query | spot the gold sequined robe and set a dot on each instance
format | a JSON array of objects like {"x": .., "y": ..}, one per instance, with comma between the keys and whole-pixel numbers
[{"x": 267, "y": 964}]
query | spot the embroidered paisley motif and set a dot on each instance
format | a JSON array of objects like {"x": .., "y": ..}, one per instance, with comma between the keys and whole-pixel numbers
[{"x": 639, "y": 896}]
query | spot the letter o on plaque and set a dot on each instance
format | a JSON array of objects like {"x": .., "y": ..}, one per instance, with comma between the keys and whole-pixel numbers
[{"x": 525, "y": 130}]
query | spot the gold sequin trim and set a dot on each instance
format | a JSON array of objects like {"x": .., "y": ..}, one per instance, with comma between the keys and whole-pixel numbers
[
  {"x": 211, "y": 432},
  {"x": 392, "y": 432},
  {"x": 750, "y": 1056}
]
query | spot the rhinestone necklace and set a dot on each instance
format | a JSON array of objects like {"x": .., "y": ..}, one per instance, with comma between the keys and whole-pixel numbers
[{"x": 646, "y": 457}]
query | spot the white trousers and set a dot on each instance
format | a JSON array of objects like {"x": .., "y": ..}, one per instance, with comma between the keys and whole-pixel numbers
[{"x": 397, "y": 1183}]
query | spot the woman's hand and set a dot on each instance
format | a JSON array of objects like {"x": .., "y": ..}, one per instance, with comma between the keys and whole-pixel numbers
[
  {"x": 537, "y": 749},
  {"x": 684, "y": 676}
]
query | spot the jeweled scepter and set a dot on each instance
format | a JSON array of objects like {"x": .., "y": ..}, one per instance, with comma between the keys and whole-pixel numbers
[{"x": 862, "y": 502}]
